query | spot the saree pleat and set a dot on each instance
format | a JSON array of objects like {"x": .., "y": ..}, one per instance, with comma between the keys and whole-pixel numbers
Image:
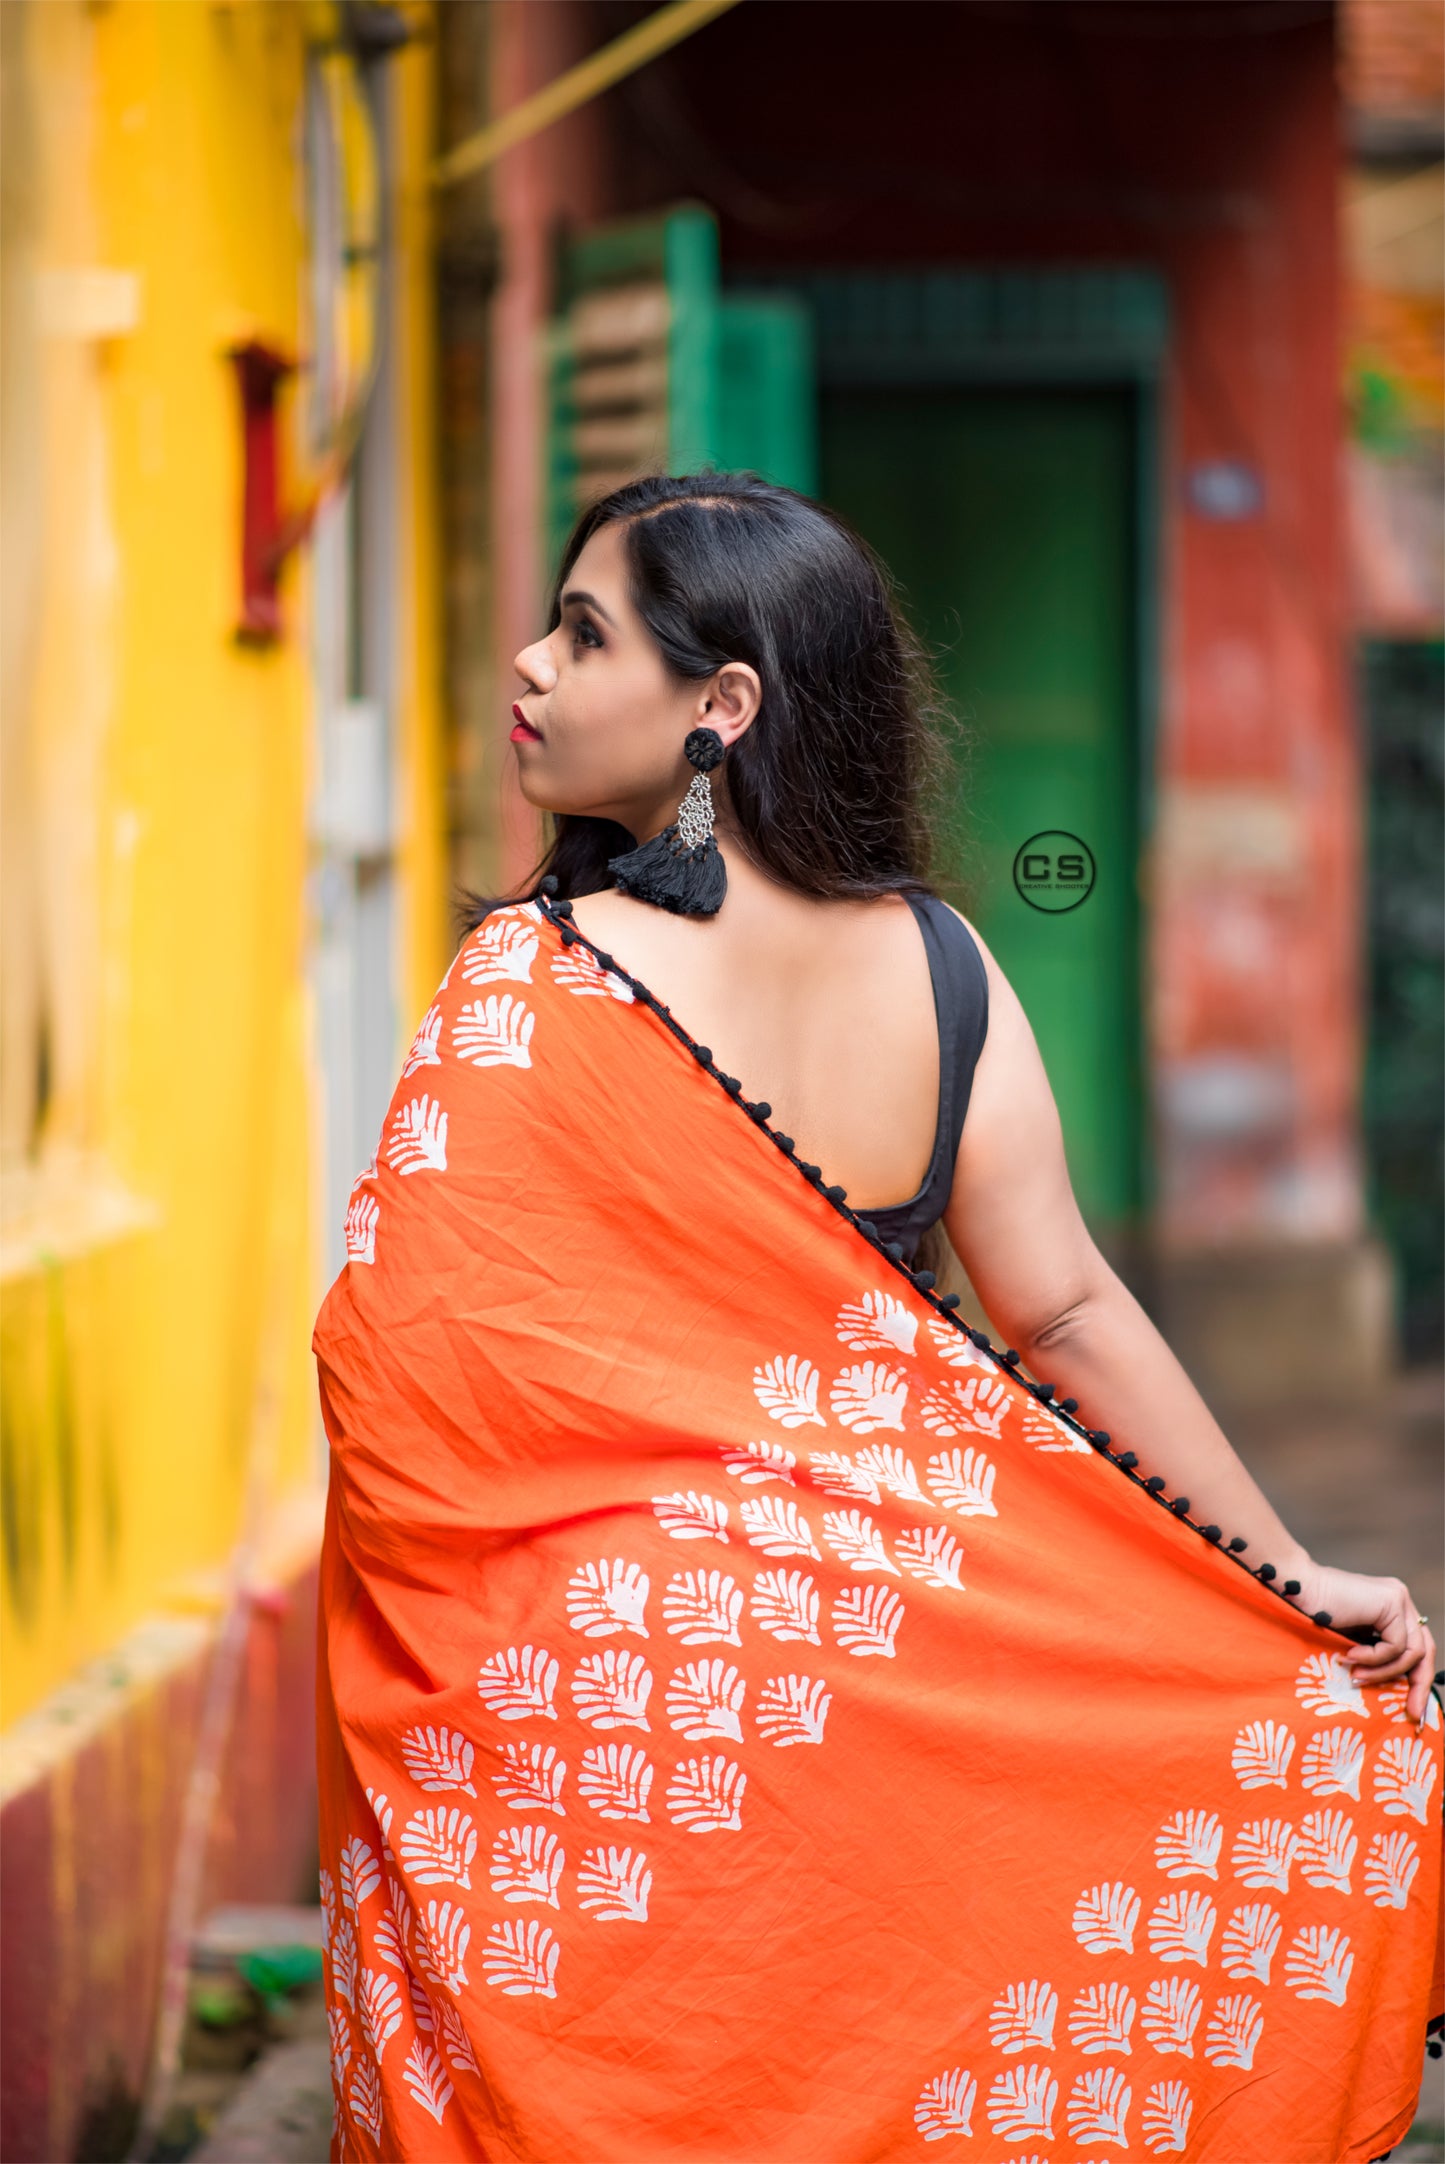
[{"x": 753, "y": 1725}]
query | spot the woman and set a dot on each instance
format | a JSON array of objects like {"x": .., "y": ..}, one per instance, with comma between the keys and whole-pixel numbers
[{"x": 757, "y": 1722}]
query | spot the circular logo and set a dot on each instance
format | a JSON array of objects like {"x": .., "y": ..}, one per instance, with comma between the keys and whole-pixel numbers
[{"x": 1054, "y": 871}]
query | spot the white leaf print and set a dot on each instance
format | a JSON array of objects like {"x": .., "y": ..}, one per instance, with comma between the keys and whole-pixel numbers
[
  {"x": 1327, "y": 1847},
  {"x": 531, "y": 1778},
  {"x": 792, "y": 1709},
  {"x": 1167, "y": 2111},
  {"x": 418, "y": 1138},
  {"x": 1099, "y": 2105},
  {"x": 1404, "y": 1777},
  {"x": 788, "y": 1389},
  {"x": 700, "y": 1605},
  {"x": 522, "y": 1958},
  {"x": 614, "y": 1884},
  {"x": 704, "y": 1699},
  {"x": 777, "y": 1527},
  {"x": 454, "y": 2040},
  {"x": 705, "y": 1795},
  {"x": 886, "y": 1463},
  {"x": 359, "y": 1873},
  {"x": 1044, "y": 1430},
  {"x": 1318, "y": 1964},
  {"x": 962, "y": 1481},
  {"x": 438, "y": 1758},
  {"x": 835, "y": 1473},
  {"x": 438, "y": 1845},
  {"x": 1261, "y": 1755},
  {"x": 1248, "y": 1944},
  {"x": 1390, "y": 1866},
  {"x": 1235, "y": 2027},
  {"x": 527, "y": 1864},
  {"x": 868, "y": 1397},
  {"x": 382, "y": 1812},
  {"x": 866, "y": 1619},
  {"x": 365, "y": 2094},
  {"x": 1021, "y": 2101},
  {"x": 442, "y": 1944},
  {"x": 1101, "y": 2017},
  {"x": 1104, "y": 1919},
  {"x": 1333, "y": 1761},
  {"x": 386, "y": 1942},
  {"x": 1325, "y": 1685},
  {"x": 616, "y": 1780},
  {"x": 1391, "y": 1701},
  {"x": 502, "y": 946},
  {"x": 400, "y": 1909},
  {"x": 1263, "y": 1852},
  {"x": 1180, "y": 1927},
  {"x": 945, "y": 2105},
  {"x": 518, "y": 1682},
  {"x": 326, "y": 1885},
  {"x": 605, "y": 1598},
  {"x": 858, "y": 1541},
  {"x": 692, "y": 1516},
  {"x": 424, "y": 1044},
  {"x": 1172, "y": 2006},
  {"x": 1189, "y": 1844},
  {"x": 930, "y": 1552},
  {"x": 494, "y": 1032},
  {"x": 344, "y": 1962},
  {"x": 340, "y": 2030},
  {"x": 426, "y": 2078},
  {"x": 978, "y": 1403},
  {"x": 785, "y": 1604},
  {"x": 876, "y": 1323},
  {"x": 1022, "y": 2017},
  {"x": 756, "y": 1463},
  {"x": 380, "y": 2010},
  {"x": 611, "y": 1690},
  {"x": 362, "y": 1219},
  {"x": 579, "y": 971},
  {"x": 955, "y": 1347},
  {"x": 421, "y": 2008}
]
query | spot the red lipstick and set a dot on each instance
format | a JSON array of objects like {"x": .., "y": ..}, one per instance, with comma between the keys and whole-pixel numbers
[{"x": 523, "y": 732}]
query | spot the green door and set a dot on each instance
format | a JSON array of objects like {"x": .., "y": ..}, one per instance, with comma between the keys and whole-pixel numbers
[{"x": 1007, "y": 518}]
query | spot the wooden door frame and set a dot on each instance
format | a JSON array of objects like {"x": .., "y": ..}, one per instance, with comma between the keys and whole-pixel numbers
[{"x": 1010, "y": 328}]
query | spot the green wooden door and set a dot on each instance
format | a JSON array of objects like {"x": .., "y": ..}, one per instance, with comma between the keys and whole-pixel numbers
[{"x": 1007, "y": 518}]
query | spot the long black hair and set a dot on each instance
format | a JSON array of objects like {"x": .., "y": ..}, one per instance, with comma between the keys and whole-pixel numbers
[{"x": 833, "y": 788}]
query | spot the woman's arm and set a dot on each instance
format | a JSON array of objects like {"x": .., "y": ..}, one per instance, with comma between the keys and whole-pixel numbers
[{"x": 1016, "y": 1228}]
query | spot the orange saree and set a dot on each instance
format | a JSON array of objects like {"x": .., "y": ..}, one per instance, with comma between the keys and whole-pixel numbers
[{"x": 754, "y": 1725}]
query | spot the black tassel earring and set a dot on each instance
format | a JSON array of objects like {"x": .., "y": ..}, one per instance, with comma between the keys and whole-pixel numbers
[{"x": 681, "y": 868}]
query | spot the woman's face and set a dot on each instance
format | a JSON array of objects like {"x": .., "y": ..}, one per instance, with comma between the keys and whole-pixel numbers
[{"x": 601, "y": 723}]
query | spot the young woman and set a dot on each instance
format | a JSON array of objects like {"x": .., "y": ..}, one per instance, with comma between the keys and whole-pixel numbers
[{"x": 761, "y": 1719}]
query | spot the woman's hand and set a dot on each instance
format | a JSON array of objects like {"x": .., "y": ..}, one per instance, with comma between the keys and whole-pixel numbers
[{"x": 1355, "y": 1602}]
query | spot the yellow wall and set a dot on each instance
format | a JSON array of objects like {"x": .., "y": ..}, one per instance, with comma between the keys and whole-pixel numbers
[{"x": 160, "y": 1243}]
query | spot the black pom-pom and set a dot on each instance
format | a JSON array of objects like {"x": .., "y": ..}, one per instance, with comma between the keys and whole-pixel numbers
[
  {"x": 1068, "y": 1405},
  {"x": 1291, "y": 1585},
  {"x": 1128, "y": 1459},
  {"x": 703, "y": 748},
  {"x": 731, "y": 1084},
  {"x": 549, "y": 885},
  {"x": 893, "y": 1249},
  {"x": 1010, "y": 1358},
  {"x": 1440, "y": 1677},
  {"x": 924, "y": 1280},
  {"x": 704, "y": 1053},
  {"x": 1237, "y": 1546},
  {"x": 1267, "y": 1571},
  {"x": 982, "y": 1340},
  {"x": 569, "y": 937},
  {"x": 1154, "y": 1483},
  {"x": 785, "y": 1144},
  {"x": 1323, "y": 1617},
  {"x": 869, "y": 1231},
  {"x": 1102, "y": 1435},
  {"x": 836, "y": 1194},
  {"x": 1434, "y": 2048},
  {"x": 1181, "y": 1505},
  {"x": 1211, "y": 1532},
  {"x": 950, "y": 1301},
  {"x": 561, "y": 909},
  {"x": 1043, "y": 1392},
  {"x": 604, "y": 961},
  {"x": 763, "y": 1111},
  {"x": 811, "y": 1172}
]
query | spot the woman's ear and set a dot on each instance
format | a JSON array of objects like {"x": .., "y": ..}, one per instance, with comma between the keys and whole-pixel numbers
[{"x": 730, "y": 701}]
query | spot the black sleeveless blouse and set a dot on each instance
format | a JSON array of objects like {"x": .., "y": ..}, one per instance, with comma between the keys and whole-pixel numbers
[{"x": 960, "y": 1000}]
